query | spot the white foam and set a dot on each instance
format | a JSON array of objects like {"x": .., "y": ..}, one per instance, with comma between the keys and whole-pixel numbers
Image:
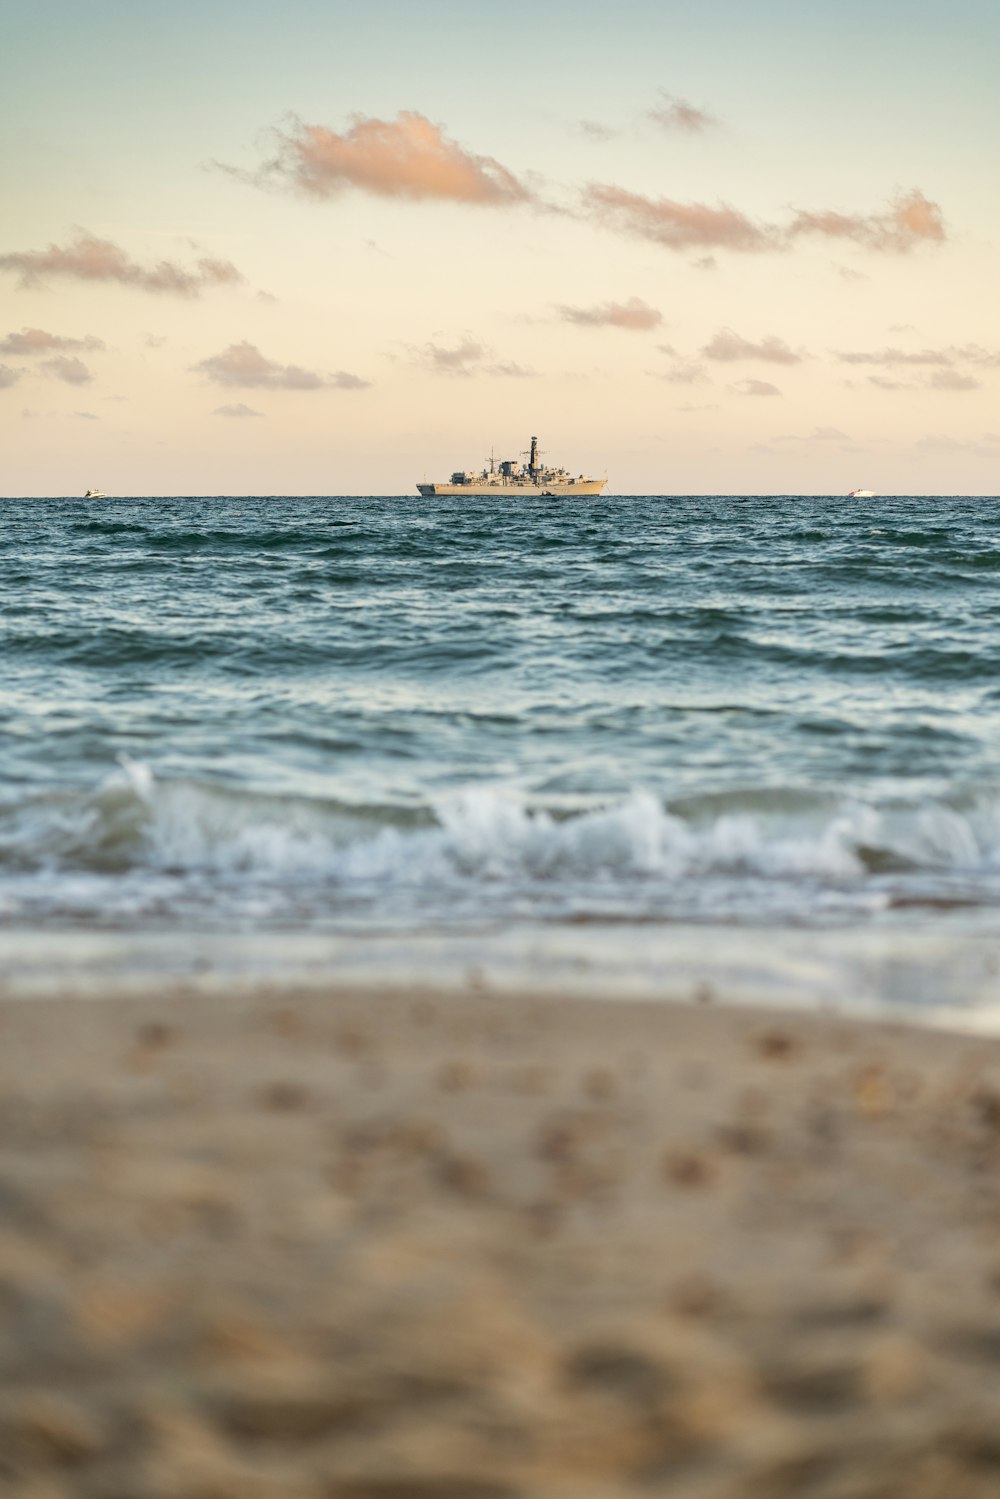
[{"x": 151, "y": 843}]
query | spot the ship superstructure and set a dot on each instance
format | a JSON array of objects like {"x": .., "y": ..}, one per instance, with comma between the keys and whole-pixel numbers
[{"x": 508, "y": 478}]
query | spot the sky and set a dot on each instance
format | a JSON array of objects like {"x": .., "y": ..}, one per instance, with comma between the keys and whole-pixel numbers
[{"x": 326, "y": 248}]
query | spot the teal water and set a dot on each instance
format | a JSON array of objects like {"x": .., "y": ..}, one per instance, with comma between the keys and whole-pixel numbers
[{"x": 347, "y": 714}]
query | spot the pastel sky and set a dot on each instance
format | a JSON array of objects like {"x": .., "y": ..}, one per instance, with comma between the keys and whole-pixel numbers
[{"x": 322, "y": 248}]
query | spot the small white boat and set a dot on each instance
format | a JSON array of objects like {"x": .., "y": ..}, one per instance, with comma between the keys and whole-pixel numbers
[
  {"x": 95, "y": 494},
  {"x": 862, "y": 494}
]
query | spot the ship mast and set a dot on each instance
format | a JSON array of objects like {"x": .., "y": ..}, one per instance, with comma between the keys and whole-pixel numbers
[{"x": 532, "y": 456}]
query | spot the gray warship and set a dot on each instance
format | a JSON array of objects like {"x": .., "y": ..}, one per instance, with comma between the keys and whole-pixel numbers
[{"x": 510, "y": 478}]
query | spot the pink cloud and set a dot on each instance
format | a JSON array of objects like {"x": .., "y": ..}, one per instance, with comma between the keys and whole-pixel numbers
[
  {"x": 243, "y": 365},
  {"x": 677, "y": 226},
  {"x": 728, "y": 346},
  {"x": 677, "y": 114},
  {"x": 409, "y": 157},
  {"x": 92, "y": 259},
  {"x": 908, "y": 221},
  {"x": 36, "y": 341},
  {"x": 65, "y": 367},
  {"x": 635, "y": 315},
  {"x": 911, "y": 219}
]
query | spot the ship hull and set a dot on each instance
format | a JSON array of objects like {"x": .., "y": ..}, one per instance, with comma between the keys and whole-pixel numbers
[{"x": 515, "y": 491}]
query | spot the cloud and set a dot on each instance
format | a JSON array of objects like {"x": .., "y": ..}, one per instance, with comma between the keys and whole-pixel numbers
[
  {"x": 8, "y": 376},
  {"x": 953, "y": 380},
  {"x": 829, "y": 434},
  {"x": 72, "y": 371},
  {"x": 242, "y": 409},
  {"x": 36, "y": 341},
  {"x": 755, "y": 388},
  {"x": 92, "y": 259},
  {"x": 686, "y": 373},
  {"x": 409, "y": 157},
  {"x": 635, "y": 315},
  {"x": 468, "y": 358},
  {"x": 882, "y": 383},
  {"x": 677, "y": 114},
  {"x": 907, "y": 222},
  {"x": 87, "y": 416},
  {"x": 729, "y": 346},
  {"x": 510, "y": 370},
  {"x": 677, "y": 226},
  {"x": 244, "y": 366},
  {"x": 910, "y": 219},
  {"x": 595, "y": 131},
  {"x": 894, "y": 356},
  {"x": 977, "y": 354}
]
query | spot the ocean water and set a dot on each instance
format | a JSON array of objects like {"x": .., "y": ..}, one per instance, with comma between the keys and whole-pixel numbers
[{"x": 623, "y": 728}]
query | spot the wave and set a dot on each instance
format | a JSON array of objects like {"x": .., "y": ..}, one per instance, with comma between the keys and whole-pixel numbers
[{"x": 483, "y": 836}]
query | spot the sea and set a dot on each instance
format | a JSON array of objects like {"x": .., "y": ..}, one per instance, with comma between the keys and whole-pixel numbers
[{"x": 703, "y": 747}]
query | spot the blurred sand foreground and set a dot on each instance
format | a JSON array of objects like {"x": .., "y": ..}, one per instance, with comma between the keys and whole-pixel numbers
[{"x": 336, "y": 1247}]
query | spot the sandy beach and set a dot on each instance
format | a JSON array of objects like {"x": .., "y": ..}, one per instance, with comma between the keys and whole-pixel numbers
[{"x": 374, "y": 1246}]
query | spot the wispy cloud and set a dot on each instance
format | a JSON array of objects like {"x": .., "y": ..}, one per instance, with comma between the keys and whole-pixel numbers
[
  {"x": 635, "y": 315},
  {"x": 755, "y": 388},
  {"x": 90, "y": 259},
  {"x": 687, "y": 372},
  {"x": 8, "y": 376},
  {"x": 953, "y": 380},
  {"x": 36, "y": 341},
  {"x": 595, "y": 131},
  {"x": 678, "y": 114},
  {"x": 894, "y": 356},
  {"x": 87, "y": 416},
  {"x": 69, "y": 369},
  {"x": 466, "y": 359},
  {"x": 728, "y": 346},
  {"x": 244, "y": 366},
  {"x": 408, "y": 157},
  {"x": 882, "y": 382},
  {"x": 239, "y": 410},
  {"x": 943, "y": 358},
  {"x": 909, "y": 221},
  {"x": 676, "y": 226}
]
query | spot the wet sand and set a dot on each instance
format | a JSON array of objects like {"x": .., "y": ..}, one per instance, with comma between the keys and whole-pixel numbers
[{"x": 411, "y": 1247}]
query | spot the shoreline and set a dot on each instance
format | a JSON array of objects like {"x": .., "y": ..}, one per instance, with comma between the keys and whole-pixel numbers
[
  {"x": 370, "y": 1246},
  {"x": 946, "y": 977}
]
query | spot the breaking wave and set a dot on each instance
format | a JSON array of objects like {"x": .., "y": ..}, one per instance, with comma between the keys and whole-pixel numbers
[{"x": 141, "y": 845}]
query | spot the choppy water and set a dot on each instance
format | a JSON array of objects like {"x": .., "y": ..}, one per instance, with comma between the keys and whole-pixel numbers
[{"x": 341, "y": 714}]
